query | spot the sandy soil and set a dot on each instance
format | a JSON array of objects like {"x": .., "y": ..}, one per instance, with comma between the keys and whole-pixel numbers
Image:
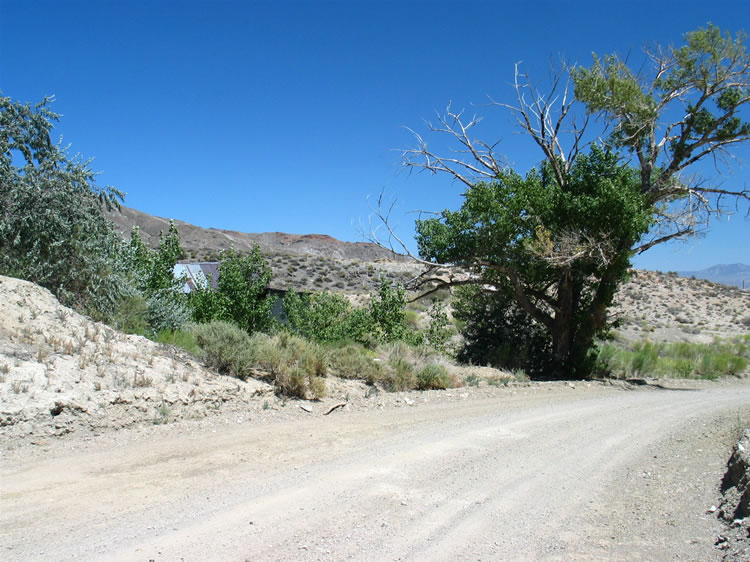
[{"x": 548, "y": 472}]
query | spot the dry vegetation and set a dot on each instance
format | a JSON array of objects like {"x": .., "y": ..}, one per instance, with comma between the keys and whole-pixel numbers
[{"x": 61, "y": 372}]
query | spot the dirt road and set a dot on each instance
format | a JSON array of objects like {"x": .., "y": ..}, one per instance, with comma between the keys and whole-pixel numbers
[{"x": 589, "y": 473}]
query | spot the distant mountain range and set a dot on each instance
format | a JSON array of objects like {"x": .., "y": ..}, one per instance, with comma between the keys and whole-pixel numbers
[{"x": 726, "y": 274}]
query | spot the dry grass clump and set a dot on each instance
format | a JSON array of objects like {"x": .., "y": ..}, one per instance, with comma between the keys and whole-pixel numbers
[
  {"x": 296, "y": 365},
  {"x": 413, "y": 367},
  {"x": 354, "y": 361}
]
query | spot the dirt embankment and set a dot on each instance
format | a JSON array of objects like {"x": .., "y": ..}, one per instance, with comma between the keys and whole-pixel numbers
[
  {"x": 60, "y": 372},
  {"x": 734, "y": 508}
]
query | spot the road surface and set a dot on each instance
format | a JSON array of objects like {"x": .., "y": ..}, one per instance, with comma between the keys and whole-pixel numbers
[{"x": 555, "y": 474}]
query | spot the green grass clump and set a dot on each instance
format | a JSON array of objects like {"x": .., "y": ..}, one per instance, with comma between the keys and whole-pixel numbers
[
  {"x": 677, "y": 360},
  {"x": 183, "y": 339}
]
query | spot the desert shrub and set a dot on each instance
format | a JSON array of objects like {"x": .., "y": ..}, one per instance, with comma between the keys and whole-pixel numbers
[
  {"x": 401, "y": 376},
  {"x": 402, "y": 363},
  {"x": 296, "y": 366},
  {"x": 680, "y": 359},
  {"x": 353, "y": 361},
  {"x": 613, "y": 360},
  {"x": 130, "y": 315},
  {"x": 683, "y": 368},
  {"x": 224, "y": 347},
  {"x": 434, "y": 376},
  {"x": 644, "y": 358}
]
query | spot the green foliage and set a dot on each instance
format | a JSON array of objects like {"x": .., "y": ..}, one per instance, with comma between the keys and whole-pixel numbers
[
  {"x": 679, "y": 360},
  {"x": 388, "y": 312},
  {"x": 330, "y": 318},
  {"x": 52, "y": 230},
  {"x": 439, "y": 329},
  {"x": 552, "y": 246},
  {"x": 498, "y": 333},
  {"x": 516, "y": 222},
  {"x": 706, "y": 80},
  {"x": 242, "y": 296},
  {"x": 522, "y": 236},
  {"x": 150, "y": 274},
  {"x": 243, "y": 284},
  {"x": 322, "y": 317}
]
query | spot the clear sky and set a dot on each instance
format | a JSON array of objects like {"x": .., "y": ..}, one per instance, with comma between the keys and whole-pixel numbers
[{"x": 284, "y": 116}]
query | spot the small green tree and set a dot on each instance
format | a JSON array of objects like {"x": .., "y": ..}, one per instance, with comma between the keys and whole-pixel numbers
[
  {"x": 242, "y": 295},
  {"x": 388, "y": 312},
  {"x": 322, "y": 317},
  {"x": 151, "y": 274},
  {"x": 439, "y": 329}
]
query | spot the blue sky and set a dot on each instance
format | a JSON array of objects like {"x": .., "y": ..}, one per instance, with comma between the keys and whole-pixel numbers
[{"x": 285, "y": 116}]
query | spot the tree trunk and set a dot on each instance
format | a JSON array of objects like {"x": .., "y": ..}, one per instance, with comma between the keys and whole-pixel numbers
[
  {"x": 574, "y": 331},
  {"x": 563, "y": 328}
]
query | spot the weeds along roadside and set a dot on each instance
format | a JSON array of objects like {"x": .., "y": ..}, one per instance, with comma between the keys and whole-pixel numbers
[
  {"x": 722, "y": 357},
  {"x": 298, "y": 366}
]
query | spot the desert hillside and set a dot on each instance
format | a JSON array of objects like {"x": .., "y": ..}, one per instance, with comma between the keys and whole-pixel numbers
[
  {"x": 206, "y": 243},
  {"x": 665, "y": 307}
]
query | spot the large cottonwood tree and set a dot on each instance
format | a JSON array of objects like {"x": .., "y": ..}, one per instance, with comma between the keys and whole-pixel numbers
[{"x": 618, "y": 149}]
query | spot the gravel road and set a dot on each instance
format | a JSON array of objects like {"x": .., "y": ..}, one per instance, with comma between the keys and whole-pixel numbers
[{"x": 590, "y": 473}]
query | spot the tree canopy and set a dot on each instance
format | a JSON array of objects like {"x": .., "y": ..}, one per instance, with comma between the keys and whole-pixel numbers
[
  {"x": 548, "y": 249},
  {"x": 52, "y": 230}
]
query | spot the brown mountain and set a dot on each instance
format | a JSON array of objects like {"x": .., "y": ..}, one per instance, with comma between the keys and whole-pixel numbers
[{"x": 206, "y": 243}]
